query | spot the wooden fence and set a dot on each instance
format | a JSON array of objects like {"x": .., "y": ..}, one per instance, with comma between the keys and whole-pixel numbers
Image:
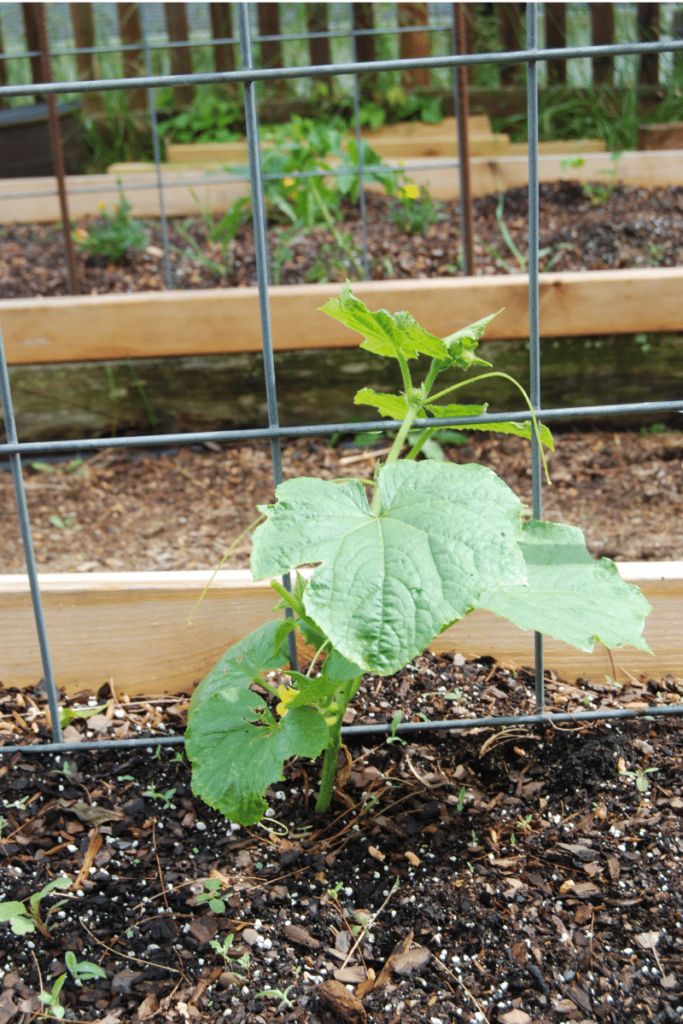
[{"x": 503, "y": 22}]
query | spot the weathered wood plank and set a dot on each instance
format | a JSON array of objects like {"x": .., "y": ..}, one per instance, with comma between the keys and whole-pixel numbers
[
  {"x": 155, "y": 324},
  {"x": 133, "y": 628},
  {"x": 20, "y": 203}
]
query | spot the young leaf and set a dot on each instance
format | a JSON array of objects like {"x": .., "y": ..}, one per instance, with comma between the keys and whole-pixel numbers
[
  {"x": 246, "y": 662},
  {"x": 569, "y": 594},
  {"x": 518, "y": 429},
  {"x": 454, "y": 409},
  {"x": 390, "y": 581},
  {"x": 462, "y": 344},
  {"x": 394, "y": 407},
  {"x": 384, "y": 333},
  {"x": 236, "y": 752}
]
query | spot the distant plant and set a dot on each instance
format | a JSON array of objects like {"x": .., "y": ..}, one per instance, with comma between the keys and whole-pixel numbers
[
  {"x": 114, "y": 235},
  {"x": 24, "y": 920},
  {"x": 217, "y": 253},
  {"x": 414, "y": 210},
  {"x": 211, "y": 117}
]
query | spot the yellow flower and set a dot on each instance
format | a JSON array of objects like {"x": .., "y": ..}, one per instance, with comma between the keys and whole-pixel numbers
[
  {"x": 286, "y": 695},
  {"x": 411, "y": 191},
  {"x": 289, "y": 182},
  {"x": 79, "y": 235},
  {"x": 101, "y": 207}
]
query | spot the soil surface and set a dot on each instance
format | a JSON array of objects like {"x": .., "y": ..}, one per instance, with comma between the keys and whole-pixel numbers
[
  {"x": 522, "y": 876},
  {"x": 582, "y": 228},
  {"x": 134, "y": 510}
]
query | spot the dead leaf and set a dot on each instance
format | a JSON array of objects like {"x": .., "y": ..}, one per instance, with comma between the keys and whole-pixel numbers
[
  {"x": 413, "y": 961},
  {"x": 343, "y": 1004},
  {"x": 648, "y": 940},
  {"x": 94, "y": 846},
  {"x": 148, "y": 1007}
]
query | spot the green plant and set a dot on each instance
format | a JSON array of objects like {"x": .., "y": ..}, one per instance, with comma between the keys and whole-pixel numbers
[
  {"x": 113, "y": 236},
  {"x": 640, "y": 777},
  {"x": 398, "y": 559},
  {"x": 223, "y": 948},
  {"x": 165, "y": 798},
  {"x": 50, "y": 998},
  {"x": 210, "y": 895},
  {"x": 211, "y": 117},
  {"x": 217, "y": 252},
  {"x": 82, "y": 970},
  {"x": 69, "y": 715},
  {"x": 23, "y": 920},
  {"x": 413, "y": 211},
  {"x": 282, "y": 996},
  {"x": 600, "y": 192}
]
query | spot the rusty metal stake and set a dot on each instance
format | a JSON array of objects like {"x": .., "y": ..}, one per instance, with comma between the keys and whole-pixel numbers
[
  {"x": 56, "y": 148},
  {"x": 462, "y": 110}
]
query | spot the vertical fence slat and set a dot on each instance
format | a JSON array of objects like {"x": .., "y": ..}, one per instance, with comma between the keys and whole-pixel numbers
[
  {"x": 319, "y": 49},
  {"x": 3, "y": 67},
  {"x": 648, "y": 32},
  {"x": 511, "y": 20},
  {"x": 556, "y": 38},
  {"x": 83, "y": 27},
  {"x": 181, "y": 59},
  {"x": 269, "y": 25},
  {"x": 133, "y": 61},
  {"x": 30, "y": 15},
  {"x": 602, "y": 33},
  {"x": 221, "y": 28},
  {"x": 414, "y": 44}
]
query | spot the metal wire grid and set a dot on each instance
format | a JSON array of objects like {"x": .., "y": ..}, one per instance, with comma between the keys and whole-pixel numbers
[{"x": 249, "y": 76}]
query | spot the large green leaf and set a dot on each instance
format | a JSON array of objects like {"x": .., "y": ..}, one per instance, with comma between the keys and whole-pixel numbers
[
  {"x": 389, "y": 581},
  {"x": 525, "y": 430},
  {"x": 237, "y": 750},
  {"x": 455, "y": 409},
  {"x": 569, "y": 594},
  {"x": 384, "y": 333}
]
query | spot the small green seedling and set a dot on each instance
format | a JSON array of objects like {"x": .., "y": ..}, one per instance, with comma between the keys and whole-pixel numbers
[
  {"x": 51, "y": 999},
  {"x": 23, "y": 920},
  {"x": 82, "y": 970},
  {"x": 282, "y": 996},
  {"x": 165, "y": 798},
  {"x": 223, "y": 948},
  {"x": 396, "y": 560},
  {"x": 393, "y": 736},
  {"x": 69, "y": 715},
  {"x": 212, "y": 887},
  {"x": 640, "y": 777}
]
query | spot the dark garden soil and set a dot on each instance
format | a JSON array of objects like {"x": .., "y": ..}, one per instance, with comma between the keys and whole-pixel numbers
[
  {"x": 135, "y": 511},
  {"x": 509, "y": 877},
  {"x": 619, "y": 227}
]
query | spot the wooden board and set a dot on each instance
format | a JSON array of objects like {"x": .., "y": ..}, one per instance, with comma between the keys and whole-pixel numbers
[
  {"x": 661, "y": 136},
  {"x": 188, "y": 191},
  {"x": 219, "y": 320},
  {"x": 133, "y": 628},
  {"x": 226, "y": 154}
]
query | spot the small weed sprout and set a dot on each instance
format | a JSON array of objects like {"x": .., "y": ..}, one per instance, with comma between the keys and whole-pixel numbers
[
  {"x": 281, "y": 995},
  {"x": 210, "y": 895},
  {"x": 165, "y": 798},
  {"x": 23, "y": 920}
]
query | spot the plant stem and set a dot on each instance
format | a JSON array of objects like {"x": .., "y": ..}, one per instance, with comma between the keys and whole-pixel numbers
[{"x": 329, "y": 769}]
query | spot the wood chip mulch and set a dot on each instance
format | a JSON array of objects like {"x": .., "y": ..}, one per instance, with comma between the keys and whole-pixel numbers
[
  {"x": 147, "y": 510},
  {"x": 512, "y": 876},
  {"x": 627, "y": 228}
]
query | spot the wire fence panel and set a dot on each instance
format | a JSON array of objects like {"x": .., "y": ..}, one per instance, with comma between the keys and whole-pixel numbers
[{"x": 530, "y": 58}]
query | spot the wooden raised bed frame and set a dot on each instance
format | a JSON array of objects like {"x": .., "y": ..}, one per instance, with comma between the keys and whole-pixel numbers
[
  {"x": 18, "y": 204},
  {"x": 133, "y": 628},
  {"x": 215, "y": 321}
]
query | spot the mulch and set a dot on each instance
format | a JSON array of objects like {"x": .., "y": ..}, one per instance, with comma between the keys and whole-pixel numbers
[
  {"x": 631, "y": 227},
  {"x": 141, "y": 510},
  {"x": 514, "y": 876}
]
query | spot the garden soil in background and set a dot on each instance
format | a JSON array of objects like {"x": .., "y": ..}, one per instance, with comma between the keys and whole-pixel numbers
[
  {"x": 522, "y": 876},
  {"x": 134, "y": 510},
  {"x": 621, "y": 228}
]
